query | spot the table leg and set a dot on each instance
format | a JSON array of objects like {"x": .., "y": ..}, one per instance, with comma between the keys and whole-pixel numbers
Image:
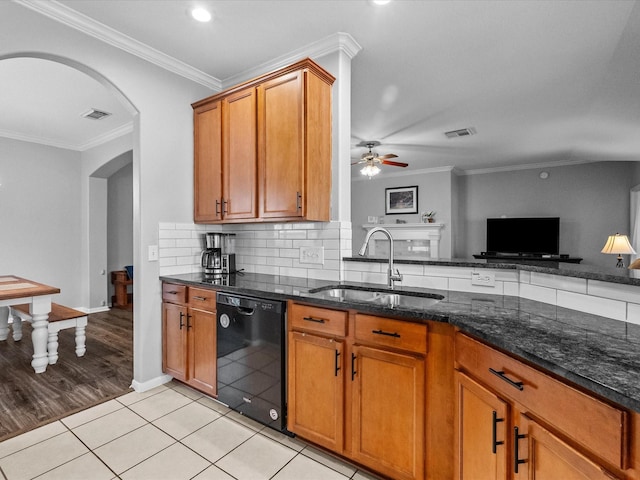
[
  {"x": 39, "y": 338},
  {"x": 4, "y": 323}
]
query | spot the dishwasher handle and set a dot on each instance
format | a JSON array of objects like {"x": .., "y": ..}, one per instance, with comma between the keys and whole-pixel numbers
[{"x": 245, "y": 311}]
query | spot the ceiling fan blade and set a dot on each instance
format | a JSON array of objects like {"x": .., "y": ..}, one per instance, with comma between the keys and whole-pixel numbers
[
  {"x": 395, "y": 164},
  {"x": 361, "y": 161},
  {"x": 388, "y": 155}
]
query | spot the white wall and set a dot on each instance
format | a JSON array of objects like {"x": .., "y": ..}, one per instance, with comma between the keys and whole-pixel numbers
[
  {"x": 162, "y": 144},
  {"x": 98, "y": 243},
  {"x": 434, "y": 193},
  {"x": 40, "y": 219},
  {"x": 119, "y": 220},
  {"x": 592, "y": 201}
]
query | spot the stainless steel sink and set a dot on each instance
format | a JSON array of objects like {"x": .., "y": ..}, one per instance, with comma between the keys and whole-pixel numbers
[{"x": 386, "y": 298}]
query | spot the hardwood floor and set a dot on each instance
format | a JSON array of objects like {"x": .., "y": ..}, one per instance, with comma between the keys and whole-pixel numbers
[{"x": 28, "y": 400}]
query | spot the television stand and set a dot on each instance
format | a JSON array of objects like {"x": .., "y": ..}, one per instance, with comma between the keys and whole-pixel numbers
[{"x": 528, "y": 259}]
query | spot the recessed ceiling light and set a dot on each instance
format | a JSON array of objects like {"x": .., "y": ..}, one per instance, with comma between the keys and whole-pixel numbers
[
  {"x": 380, "y": 2},
  {"x": 201, "y": 15}
]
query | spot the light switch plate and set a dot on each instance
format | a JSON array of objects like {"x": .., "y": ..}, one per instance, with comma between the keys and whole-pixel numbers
[
  {"x": 313, "y": 255},
  {"x": 483, "y": 279},
  {"x": 152, "y": 253}
]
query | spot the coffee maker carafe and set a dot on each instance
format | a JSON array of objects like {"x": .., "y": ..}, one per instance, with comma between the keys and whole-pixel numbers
[{"x": 212, "y": 254}]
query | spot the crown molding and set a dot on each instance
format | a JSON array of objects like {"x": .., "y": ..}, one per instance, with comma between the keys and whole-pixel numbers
[
  {"x": 337, "y": 42},
  {"x": 99, "y": 140},
  {"x": 527, "y": 166},
  {"x": 67, "y": 16}
]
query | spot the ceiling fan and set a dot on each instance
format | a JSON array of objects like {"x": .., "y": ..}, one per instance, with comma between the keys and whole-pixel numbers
[{"x": 372, "y": 160}]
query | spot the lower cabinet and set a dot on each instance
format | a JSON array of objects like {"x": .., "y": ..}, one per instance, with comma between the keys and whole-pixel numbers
[
  {"x": 189, "y": 336},
  {"x": 514, "y": 421},
  {"x": 361, "y": 394}
]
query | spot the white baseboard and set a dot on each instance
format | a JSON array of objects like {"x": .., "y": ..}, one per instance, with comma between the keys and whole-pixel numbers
[
  {"x": 94, "y": 309},
  {"x": 149, "y": 384}
]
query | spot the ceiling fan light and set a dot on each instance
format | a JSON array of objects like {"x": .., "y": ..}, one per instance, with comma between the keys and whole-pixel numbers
[
  {"x": 201, "y": 15},
  {"x": 370, "y": 170}
]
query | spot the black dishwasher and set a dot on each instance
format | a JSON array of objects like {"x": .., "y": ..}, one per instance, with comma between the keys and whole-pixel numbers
[{"x": 251, "y": 357}]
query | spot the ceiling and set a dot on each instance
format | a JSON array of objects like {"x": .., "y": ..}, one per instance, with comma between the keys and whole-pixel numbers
[{"x": 541, "y": 83}]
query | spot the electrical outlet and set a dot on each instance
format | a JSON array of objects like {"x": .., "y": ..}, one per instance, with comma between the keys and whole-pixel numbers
[
  {"x": 483, "y": 279},
  {"x": 312, "y": 255}
]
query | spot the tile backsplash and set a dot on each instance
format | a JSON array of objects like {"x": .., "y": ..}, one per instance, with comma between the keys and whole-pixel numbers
[
  {"x": 282, "y": 249},
  {"x": 270, "y": 248}
]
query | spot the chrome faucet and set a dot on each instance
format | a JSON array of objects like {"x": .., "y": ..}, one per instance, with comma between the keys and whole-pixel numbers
[{"x": 391, "y": 277}]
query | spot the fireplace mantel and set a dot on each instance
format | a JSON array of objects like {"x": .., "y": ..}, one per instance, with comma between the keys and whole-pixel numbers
[{"x": 408, "y": 231}]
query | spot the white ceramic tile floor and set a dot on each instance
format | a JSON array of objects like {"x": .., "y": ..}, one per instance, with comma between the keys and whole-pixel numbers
[{"x": 169, "y": 433}]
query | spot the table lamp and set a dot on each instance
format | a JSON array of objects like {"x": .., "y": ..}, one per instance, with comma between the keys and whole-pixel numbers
[{"x": 618, "y": 244}]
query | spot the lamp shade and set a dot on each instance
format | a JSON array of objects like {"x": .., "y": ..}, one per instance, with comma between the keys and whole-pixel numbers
[{"x": 618, "y": 244}]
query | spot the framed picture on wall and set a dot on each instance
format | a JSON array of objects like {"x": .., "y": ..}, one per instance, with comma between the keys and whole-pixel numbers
[{"x": 401, "y": 200}]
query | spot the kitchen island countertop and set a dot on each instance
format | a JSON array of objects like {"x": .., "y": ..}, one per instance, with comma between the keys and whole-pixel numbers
[{"x": 597, "y": 353}]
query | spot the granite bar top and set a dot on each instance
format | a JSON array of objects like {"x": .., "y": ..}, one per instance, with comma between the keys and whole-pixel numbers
[
  {"x": 589, "y": 272},
  {"x": 597, "y": 353}
]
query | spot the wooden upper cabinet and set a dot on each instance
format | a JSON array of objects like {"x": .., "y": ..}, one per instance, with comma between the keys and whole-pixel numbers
[
  {"x": 207, "y": 121},
  {"x": 281, "y": 146},
  {"x": 239, "y": 161},
  {"x": 274, "y": 149}
]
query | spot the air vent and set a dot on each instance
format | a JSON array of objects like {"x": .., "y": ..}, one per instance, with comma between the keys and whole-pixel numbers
[
  {"x": 463, "y": 132},
  {"x": 95, "y": 114}
]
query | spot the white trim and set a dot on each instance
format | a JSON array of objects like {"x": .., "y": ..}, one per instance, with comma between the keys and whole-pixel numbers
[
  {"x": 333, "y": 43},
  {"x": 85, "y": 24},
  {"x": 149, "y": 384},
  {"x": 529, "y": 166},
  {"x": 99, "y": 140}
]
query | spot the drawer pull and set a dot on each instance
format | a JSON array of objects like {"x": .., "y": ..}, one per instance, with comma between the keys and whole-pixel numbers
[
  {"x": 198, "y": 297},
  {"x": 311, "y": 319},
  {"x": 495, "y": 442},
  {"x": 337, "y": 362},
  {"x": 500, "y": 374},
  {"x": 173, "y": 292},
  {"x": 516, "y": 450},
  {"x": 388, "y": 334}
]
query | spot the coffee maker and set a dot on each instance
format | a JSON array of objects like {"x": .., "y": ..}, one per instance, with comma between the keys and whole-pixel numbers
[
  {"x": 218, "y": 257},
  {"x": 212, "y": 254}
]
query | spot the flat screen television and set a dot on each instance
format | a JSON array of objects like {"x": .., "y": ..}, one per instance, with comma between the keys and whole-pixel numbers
[{"x": 526, "y": 236}]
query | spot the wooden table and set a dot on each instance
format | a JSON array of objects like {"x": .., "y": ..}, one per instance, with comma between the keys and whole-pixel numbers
[{"x": 15, "y": 290}]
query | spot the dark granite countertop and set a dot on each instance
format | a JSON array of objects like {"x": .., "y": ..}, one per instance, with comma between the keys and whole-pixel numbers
[
  {"x": 597, "y": 353},
  {"x": 589, "y": 272}
]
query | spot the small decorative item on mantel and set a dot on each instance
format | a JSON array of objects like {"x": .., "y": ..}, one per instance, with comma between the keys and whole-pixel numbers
[{"x": 428, "y": 217}]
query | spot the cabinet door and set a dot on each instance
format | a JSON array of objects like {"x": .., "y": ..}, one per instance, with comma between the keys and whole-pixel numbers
[
  {"x": 388, "y": 402},
  {"x": 316, "y": 389},
  {"x": 207, "y": 168},
  {"x": 481, "y": 432},
  {"x": 174, "y": 340},
  {"x": 543, "y": 456},
  {"x": 201, "y": 327},
  {"x": 281, "y": 146},
  {"x": 240, "y": 167}
]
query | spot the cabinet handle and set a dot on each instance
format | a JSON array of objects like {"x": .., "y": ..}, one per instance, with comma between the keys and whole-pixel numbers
[
  {"x": 516, "y": 450},
  {"x": 495, "y": 442},
  {"x": 500, "y": 374},
  {"x": 353, "y": 366},
  {"x": 189, "y": 322},
  {"x": 388, "y": 334},
  {"x": 198, "y": 297},
  {"x": 337, "y": 363},
  {"x": 298, "y": 201},
  {"x": 181, "y": 322},
  {"x": 173, "y": 292},
  {"x": 316, "y": 320},
  {"x": 224, "y": 206},
  {"x": 217, "y": 208}
]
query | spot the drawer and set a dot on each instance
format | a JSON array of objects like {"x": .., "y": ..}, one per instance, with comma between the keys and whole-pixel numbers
[
  {"x": 317, "y": 319},
  {"x": 174, "y": 293},
  {"x": 601, "y": 428},
  {"x": 202, "y": 298},
  {"x": 391, "y": 333}
]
